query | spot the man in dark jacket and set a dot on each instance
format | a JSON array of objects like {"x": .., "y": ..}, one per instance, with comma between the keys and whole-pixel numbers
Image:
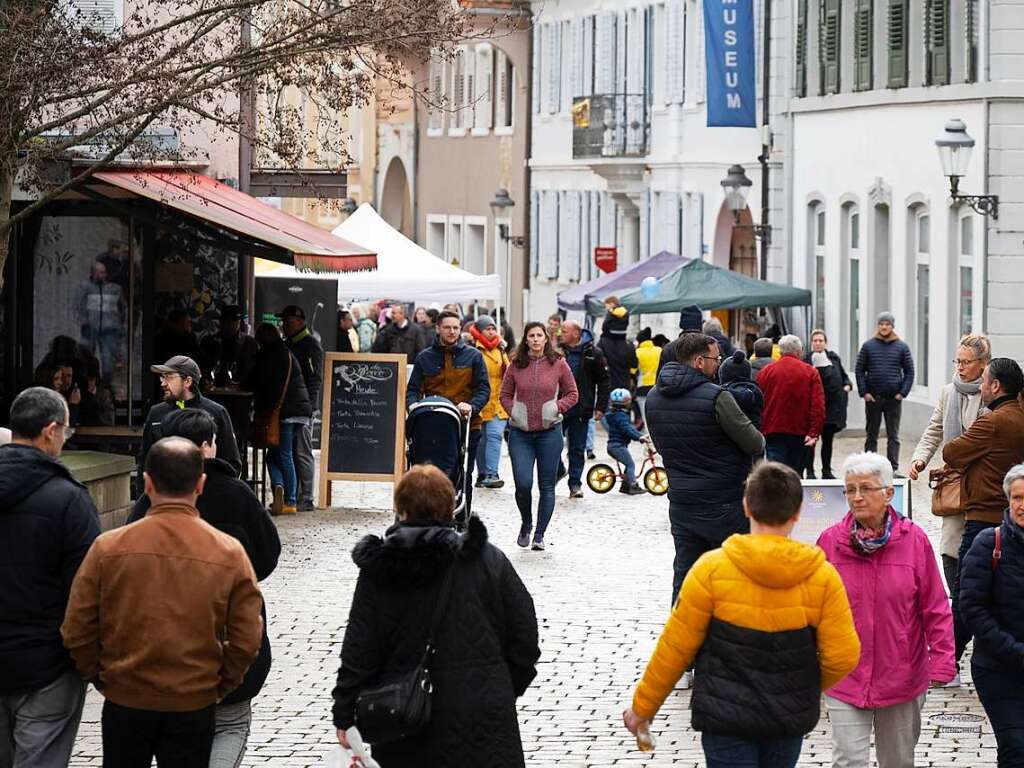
[
  {"x": 229, "y": 505},
  {"x": 453, "y": 369},
  {"x": 713, "y": 327},
  {"x": 691, "y": 320},
  {"x": 708, "y": 446},
  {"x": 401, "y": 336},
  {"x": 885, "y": 374},
  {"x": 47, "y": 524},
  {"x": 591, "y": 373},
  {"x": 619, "y": 354},
  {"x": 310, "y": 354},
  {"x": 179, "y": 380}
]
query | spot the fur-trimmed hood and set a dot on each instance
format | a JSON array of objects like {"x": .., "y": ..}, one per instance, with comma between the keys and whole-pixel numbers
[{"x": 414, "y": 552}]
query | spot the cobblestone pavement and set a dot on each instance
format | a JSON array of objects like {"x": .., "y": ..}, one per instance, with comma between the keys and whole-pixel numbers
[{"x": 601, "y": 591}]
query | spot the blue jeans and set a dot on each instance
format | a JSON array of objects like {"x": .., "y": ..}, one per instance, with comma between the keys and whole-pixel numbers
[
  {"x": 488, "y": 455},
  {"x": 734, "y": 752},
  {"x": 544, "y": 449},
  {"x": 281, "y": 463},
  {"x": 1002, "y": 695},
  {"x": 620, "y": 452},
  {"x": 787, "y": 449},
  {"x": 575, "y": 431}
]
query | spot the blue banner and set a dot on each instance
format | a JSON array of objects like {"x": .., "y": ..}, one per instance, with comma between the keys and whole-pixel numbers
[{"x": 729, "y": 45}]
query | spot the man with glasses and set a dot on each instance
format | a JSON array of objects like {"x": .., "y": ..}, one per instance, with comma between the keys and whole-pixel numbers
[
  {"x": 47, "y": 523},
  {"x": 179, "y": 382},
  {"x": 794, "y": 406},
  {"x": 708, "y": 446}
]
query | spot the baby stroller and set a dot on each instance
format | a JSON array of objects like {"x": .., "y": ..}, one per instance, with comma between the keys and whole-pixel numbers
[{"x": 436, "y": 433}]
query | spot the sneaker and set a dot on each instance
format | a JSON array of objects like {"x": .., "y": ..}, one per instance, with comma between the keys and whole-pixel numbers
[
  {"x": 538, "y": 545},
  {"x": 954, "y": 683},
  {"x": 305, "y": 506},
  {"x": 524, "y": 537},
  {"x": 591, "y": 455},
  {"x": 494, "y": 482},
  {"x": 278, "y": 504},
  {"x": 575, "y": 493},
  {"x": 632, "y": 490},
  {"x": 479, "y": 482},
  {"x": 289, "y": 509}
]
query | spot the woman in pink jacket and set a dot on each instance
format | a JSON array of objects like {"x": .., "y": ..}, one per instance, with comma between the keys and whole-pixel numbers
[
  {"x": 902, "y": 617},
  {"x": 537, "y": 389}
]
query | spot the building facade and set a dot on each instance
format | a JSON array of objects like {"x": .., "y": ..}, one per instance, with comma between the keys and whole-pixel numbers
[
  {"x": 621, "y": 154},
  {"x": 866, "y": 213}
]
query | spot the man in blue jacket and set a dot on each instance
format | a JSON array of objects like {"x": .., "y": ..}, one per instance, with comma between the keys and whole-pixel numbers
[
  {"x": 47, "y": 523},
  {"x": 451, "y": 368},
  {"x": 885, "y": 374}
]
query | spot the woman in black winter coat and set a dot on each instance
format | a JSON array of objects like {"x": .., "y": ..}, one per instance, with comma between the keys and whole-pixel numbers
[
  {"x": 837, "y": 388},
  {"x": 486, "y": 645},
  {"x": 991, "y": 585},
  {"x": 276, "y": 373}
]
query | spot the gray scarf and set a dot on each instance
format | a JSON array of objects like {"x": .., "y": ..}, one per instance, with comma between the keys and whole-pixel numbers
[{"x": 952, "y": 426}]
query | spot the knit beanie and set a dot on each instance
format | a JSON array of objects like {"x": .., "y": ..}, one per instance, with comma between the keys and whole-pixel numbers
[
  {"x": 887, "y": 317},
  {"x": 691, "y": 319},
  {"x": 734, "y": 368},
  {"x": 484, "y": 322},
  {"x": 644, "y": 335}
]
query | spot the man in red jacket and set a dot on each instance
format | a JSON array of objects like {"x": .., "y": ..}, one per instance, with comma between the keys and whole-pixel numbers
[{"x": 794, "y": 406}]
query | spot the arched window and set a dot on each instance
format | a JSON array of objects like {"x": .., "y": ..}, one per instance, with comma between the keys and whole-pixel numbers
[
  {"x": 852, "y": 248},
  {"x": 965, "y": 237},
  {"x": 919, "y": 254},
  {"x": 817, "y": 252}
]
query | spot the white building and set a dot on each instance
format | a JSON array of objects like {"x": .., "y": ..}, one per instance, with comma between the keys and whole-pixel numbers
[
  {"x": 620, "y": 152},
  {"x": 862, "y": 208}
]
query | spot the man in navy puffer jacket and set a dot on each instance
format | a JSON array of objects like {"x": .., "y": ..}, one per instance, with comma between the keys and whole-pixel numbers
[{"x": 885, "y": 374}]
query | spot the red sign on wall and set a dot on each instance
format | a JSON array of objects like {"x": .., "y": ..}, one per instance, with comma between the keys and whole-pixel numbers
[{"x": 606, "y": 258}]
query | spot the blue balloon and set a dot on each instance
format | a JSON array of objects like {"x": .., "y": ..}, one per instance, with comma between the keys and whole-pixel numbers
[{"x": 650, "y": 287}]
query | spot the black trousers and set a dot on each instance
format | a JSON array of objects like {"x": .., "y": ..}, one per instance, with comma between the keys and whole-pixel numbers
[
  {"x": 828, "y": 436},
  {"x": 890, "y": 408},
  {"x": 133, "y": 737}
]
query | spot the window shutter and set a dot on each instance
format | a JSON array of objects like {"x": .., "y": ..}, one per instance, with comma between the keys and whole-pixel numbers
[
  {"x": 587, "y": 86},
  {"x": 675, "y": 44},
  {"x": 828, "y": 46},
  {"x": 862, "y": 36},
  {"x": 595, "y": 234},
  {"x": 607, "y": 44},
  {"x": 100, "y": 15},
  {"x": 576, "y": 59},
  {"x": 971, "y": 39},
  {"x": 549, "y": 256},
  {"x": 583, "y": 245},
  {"x": 535, "y": 232},
  {"x": 621, "y": 53},
  {"x": 459, "y": 88},
  {"x": 572, "y": 238},
  {"x": 897, "y": 43},
  {"x": 668, "y": 214},
  {"x": 483, "y": 105},
  {"x": 800, "y": 84},
  {"x": 609, "y": 221},
  {"x": 535, "y": 79},
  {"x": 555, "y": 70},
  {"x": 501, "y": 90},
  {"x": 436, "y": 122},
  {"x": 937, "y": 41},
  {"x": 645, "y": 226}
]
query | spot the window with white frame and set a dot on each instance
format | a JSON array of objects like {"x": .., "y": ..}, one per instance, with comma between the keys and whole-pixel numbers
[
  {"x": 921, "y": 250},
  {"x": 818, "y": 262},
  {"x": 460, "y": 96},
  {"x": 483, "y": 93},
  {"x": 475, "y": 245},
  {"x": 437, "y": 235},
  {"x": 435, "y": 123},
  {"x": 504, "y": 93},
  {"x": 454, "y": 241},
  {"x": 966, "y": 273},
  {"x": 853, "y": 289}
]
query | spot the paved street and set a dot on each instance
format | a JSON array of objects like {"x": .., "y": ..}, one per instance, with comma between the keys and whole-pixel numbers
[{"x": 602, "y": 593}]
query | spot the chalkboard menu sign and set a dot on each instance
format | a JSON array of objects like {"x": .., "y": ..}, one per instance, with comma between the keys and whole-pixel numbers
[{"x": 363, "y": 431}]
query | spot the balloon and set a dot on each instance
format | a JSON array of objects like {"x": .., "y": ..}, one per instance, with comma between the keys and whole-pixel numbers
[{"x": 650, "y": 287}]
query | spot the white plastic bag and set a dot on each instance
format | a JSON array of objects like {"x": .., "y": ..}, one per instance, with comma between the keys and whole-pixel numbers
[{"x": 354, "y": 757}]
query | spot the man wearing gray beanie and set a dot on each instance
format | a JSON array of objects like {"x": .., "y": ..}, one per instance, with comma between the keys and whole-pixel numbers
[{"x": 885, "y": 374}]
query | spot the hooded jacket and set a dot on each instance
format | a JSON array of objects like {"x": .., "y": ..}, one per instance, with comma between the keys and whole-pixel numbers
[
  {"x": 486, "y": 645},
  {"x": 47, "y": 523},
  {"x": 497, "y": 363},
  {"x": 590, "y": 370},
  {"x": 885, "y": 367},
  {"x": 990, "y": 601},
  {"x": 647, "y": 357},
  {"x": 620, "y": 356},
  {"x": 458, "y": 373},
  {"x": 768, "y": 622},
  {"x": 901, "y": 613},
  {"x": 230, "y": 506}
]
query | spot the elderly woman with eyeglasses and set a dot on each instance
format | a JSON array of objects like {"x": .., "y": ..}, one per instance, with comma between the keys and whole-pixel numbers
[
  {"x": 991, "y": 584},
  {"x": 902, "y": 617}
]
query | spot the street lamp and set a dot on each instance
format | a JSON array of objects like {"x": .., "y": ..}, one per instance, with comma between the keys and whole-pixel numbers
[
  {"x": 736, "y": 185},
  {"x": 499, "y": 207},
  {"x": 955, "y": 146}
]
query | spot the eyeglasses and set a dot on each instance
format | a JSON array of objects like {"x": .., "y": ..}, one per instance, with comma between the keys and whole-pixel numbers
[
  {"x": 963, "y": 363},
  {"x": 169, "y": 376},
  {"x": 716, "y": 359},
  {"x": 862, "y": 490},
  {"x": 69, "y": 431}
]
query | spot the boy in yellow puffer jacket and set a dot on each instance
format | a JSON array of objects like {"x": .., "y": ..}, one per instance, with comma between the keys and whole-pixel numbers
[{"x": 770, "y": 627}]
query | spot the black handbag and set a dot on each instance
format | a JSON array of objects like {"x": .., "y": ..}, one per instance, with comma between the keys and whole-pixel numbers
[{"x": 401, "y": 709}]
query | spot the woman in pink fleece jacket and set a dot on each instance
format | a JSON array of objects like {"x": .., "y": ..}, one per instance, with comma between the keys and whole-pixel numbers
[
  {"x": 537, "y": 389},
  {"x": 902, "y": 617}
]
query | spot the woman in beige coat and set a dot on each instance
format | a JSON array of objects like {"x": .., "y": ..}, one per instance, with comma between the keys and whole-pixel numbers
[{"x": 959, "y": 405}]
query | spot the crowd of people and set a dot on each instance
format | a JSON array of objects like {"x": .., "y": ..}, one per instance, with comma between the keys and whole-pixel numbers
[{"x": 164, "y": 616}]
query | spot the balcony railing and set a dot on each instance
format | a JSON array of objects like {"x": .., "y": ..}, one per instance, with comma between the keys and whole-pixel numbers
[{"x": 610, "y": 125}]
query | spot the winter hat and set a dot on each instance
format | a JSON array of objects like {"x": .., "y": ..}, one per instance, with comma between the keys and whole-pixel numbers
[
  {"x": 616, "y": 323},
  {"x": 644, "y": 335},
  {"x": 734, "y": 368},
  {"x": 484, "y": 322},
  {"x": 887, "y": 317},
  {"x": 691, "y": 319},
  {"x": 820, "y": 360}
]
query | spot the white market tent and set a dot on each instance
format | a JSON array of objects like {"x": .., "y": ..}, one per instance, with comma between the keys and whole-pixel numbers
[{"x": 405, "y": 271}]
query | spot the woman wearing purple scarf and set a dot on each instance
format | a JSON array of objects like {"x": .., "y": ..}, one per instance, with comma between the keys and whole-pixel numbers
[{"x": 902, "y": 617}]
